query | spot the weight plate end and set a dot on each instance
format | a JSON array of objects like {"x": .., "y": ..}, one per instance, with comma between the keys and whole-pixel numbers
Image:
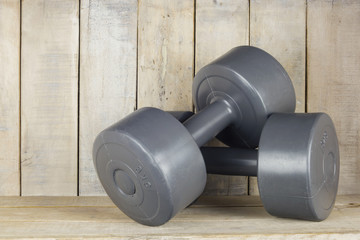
[
  {"x": 149, "y": 165},
  {"x": 254, "y": 83},
  {"x": 298, "y": 167}
]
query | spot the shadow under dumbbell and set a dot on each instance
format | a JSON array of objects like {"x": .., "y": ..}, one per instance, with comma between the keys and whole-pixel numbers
[
  {"x": 228, "y": 201},
  {"x": 225, "y": 208}
]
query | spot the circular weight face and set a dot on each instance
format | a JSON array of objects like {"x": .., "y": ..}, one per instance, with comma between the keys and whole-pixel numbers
[
  {"x": 149, "y": 165},
  {"x": 254, "y": 83},
  {"x": 298, "y": 167}
]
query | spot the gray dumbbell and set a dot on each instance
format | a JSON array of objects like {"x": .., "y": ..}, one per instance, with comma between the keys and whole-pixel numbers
[
  {"x": 150, "y": 164},
  {"x": 297, "y": 165}
]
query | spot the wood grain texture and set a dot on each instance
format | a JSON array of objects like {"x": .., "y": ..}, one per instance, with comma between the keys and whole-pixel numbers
[
  {"x": 89, "y": 219},
  {"x": 165, "y": 54},
  {"x": 108, "y": 44},
  {"x": 104, "y": 201},
  {"x": 50, "y": 32},
  {"x": 9, "y": 97},
  {"x": 220, "y": 26},
  {"x": 56, "y": 201},
  {"x": 333, "y": 78},
  {"x": 279, "y": 27}
]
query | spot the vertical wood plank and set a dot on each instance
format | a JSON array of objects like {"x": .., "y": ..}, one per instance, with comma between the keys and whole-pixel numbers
[
  {"x": 9, "y": 97},
  {"x": 107, "y": 76},
  {"x": 333, "y": 78},
  {"x": 49, "y": 70},
  {"x": 279, "y": 27},
  {"x": 165, "y": 54},
  {"x": 220, "y": 26}
]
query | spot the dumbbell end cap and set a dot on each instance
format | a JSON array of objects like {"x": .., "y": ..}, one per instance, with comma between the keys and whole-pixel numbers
[
  {"x": 130, "y": 180},
  {"x": 254, "y": 83},
  {"x": 299, "y": 164},
  {"x": 142, "y": 167}
]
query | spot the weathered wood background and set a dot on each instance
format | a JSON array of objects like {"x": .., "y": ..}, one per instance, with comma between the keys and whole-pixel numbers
[{"x": 70, "y": 68}]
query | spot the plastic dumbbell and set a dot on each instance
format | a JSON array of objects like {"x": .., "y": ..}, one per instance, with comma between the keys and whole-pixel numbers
[{"x": 150, "y": 164}]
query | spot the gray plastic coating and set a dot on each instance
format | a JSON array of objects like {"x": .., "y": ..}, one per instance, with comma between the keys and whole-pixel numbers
[
  {"x": 297, "y": 165},
  {"x": 149, "y": 173},
  {"x": 256, "y": 85},
  {"x": 298, "y": 168},
  {"x": 211, "y": 120}
]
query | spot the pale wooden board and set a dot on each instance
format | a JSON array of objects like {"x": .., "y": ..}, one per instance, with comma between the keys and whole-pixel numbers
[
  {"x": 233, "y": 222},
  {"x": 165, "y": 54},
  {"x": 57, "y": 201},
  {"x": 319, "y": 236},
  {"x": 333, "y": 78},
  {"x": 279, "y": 27},
  {"x": 107, "y": 76},
  {"x": 9, "y": 97},
  {"x": 104, "y": 201},
  {"x": 220, "y": 26},
  {"x": 49, "y": 84}
]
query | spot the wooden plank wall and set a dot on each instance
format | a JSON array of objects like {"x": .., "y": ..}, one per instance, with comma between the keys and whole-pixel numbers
[
  {"x": 107, "y": 76},
  {"x": 49, "y": 97},
  {"x": 70, "y": 68},
  {"x": 165, "y": 54},
  {"x": 9, "y": 97}
]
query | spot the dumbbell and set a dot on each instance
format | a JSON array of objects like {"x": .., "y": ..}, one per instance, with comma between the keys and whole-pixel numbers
[
  {"x": 297, "y": 165},
  {"x": 150, "y": 164}
]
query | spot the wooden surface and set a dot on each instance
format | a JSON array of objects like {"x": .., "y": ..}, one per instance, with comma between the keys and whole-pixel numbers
[
  {"x": 9, "y": 97},
  {"x": 107, "y": 76},
  {"x": 49, "y": 103},
  {"x": 279, "y": 27},
  {"x": 210, "y": 217},
  {"x": 220, "y": 26},
  {"x": 165, "y": 54},
  {"x": 333, "y": 78}
]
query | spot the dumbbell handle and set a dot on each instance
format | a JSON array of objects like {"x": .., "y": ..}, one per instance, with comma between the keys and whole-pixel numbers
[
  {"x": 230, "y": 161},
  {"x": 207, "y": 123},
  {"x": 220, "y": 160}
]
